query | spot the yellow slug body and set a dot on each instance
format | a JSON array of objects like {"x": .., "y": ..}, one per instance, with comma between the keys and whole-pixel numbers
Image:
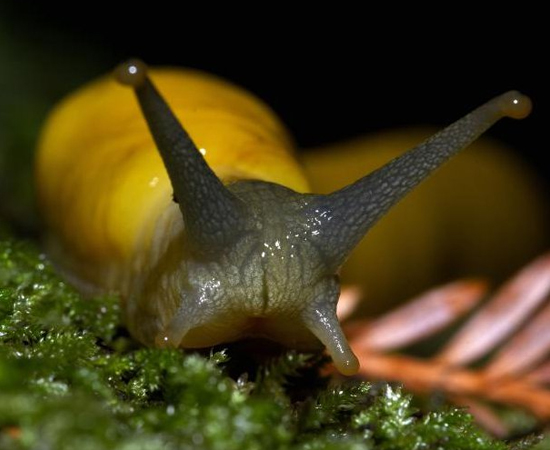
[
  {"x": 103, "y": 187},
  {"x": 200, "y": 215}
]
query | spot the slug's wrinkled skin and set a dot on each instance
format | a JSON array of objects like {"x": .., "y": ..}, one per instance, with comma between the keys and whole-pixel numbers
[{"x": 197, "y": 261}]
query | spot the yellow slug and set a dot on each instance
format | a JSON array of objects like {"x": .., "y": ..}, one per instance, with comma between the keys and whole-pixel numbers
[{"x": 206, "y": 228}]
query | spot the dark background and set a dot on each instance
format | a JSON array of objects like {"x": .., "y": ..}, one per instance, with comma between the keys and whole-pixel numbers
[
  {"x": 328, "y": 77},
  {"x": 331, "y": 73}
]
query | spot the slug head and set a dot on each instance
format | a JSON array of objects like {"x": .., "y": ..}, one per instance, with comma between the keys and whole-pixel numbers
[{"x": 260, "y": 260}]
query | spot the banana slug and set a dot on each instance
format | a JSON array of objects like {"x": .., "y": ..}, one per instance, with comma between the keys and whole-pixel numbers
[{"x": 208, "y": 230}]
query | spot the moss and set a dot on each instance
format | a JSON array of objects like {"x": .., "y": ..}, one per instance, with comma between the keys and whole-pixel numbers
[{"x": 71, "y": 378}]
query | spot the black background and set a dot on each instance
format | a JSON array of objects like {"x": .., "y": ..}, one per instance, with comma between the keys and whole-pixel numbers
[{"x": 331, "y": 73}]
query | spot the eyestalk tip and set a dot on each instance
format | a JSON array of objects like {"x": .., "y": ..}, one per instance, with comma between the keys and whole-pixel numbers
[
  {"x": 132, "y": 73},
  {"x": 515, "y": 105}
]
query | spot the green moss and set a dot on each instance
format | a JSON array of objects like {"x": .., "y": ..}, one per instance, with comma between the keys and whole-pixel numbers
[{"x": 71, "y": 378}]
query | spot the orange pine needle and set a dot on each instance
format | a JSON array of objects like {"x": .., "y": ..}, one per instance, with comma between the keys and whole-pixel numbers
[
  {"x": 516, "y": 300},
  {"x": 419, "y": 318},
  {"x": 430, "y": 376},
  {"x": 526, "y": 349},
  {"x": 541, "y": 375},
  {"x": 511, "y": 378}
]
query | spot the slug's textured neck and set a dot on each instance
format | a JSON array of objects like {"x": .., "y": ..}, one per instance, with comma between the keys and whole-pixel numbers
[
  {"x": 213, "y": 216},
  {"x": 356, "y": 208}
]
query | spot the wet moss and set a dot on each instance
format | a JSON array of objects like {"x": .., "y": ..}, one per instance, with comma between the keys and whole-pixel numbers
[{"x": 70, "y": 377}]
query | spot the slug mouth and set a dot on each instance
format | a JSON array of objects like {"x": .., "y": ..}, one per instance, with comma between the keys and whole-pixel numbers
[{"x": 285, "y": 331}]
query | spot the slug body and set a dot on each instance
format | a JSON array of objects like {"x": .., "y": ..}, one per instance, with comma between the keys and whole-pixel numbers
[{"x": 206, "y": 231}]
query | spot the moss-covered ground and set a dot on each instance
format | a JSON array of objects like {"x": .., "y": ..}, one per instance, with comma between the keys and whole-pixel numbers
[{"x": 70, "y": 377}]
